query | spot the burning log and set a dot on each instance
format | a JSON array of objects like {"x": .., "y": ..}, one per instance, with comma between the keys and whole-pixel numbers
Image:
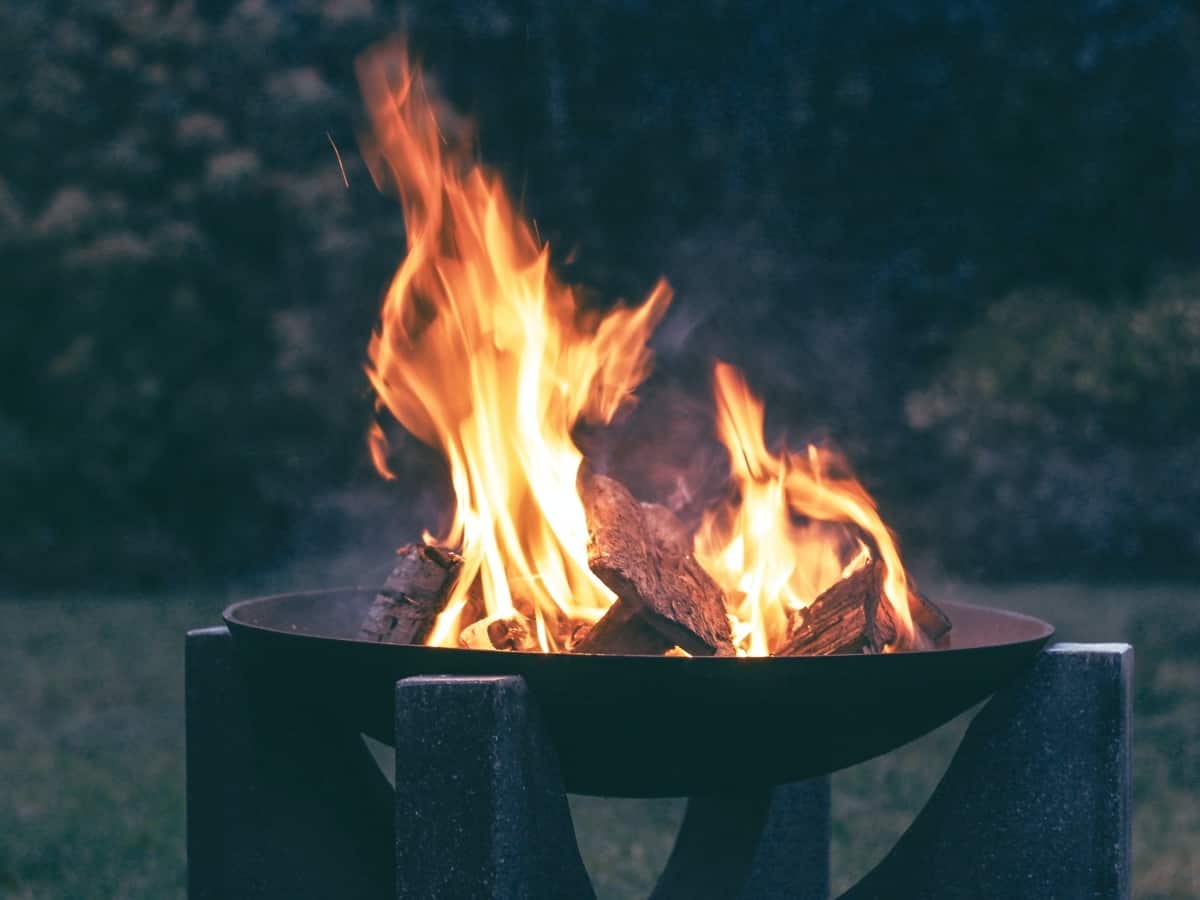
[
  {"x": 417, "y": 590},
  {"x": 665, "y": 529},
  {"x": 854, "y": 616},
  {"x": 848, "y": 617},
  {"x": 929, "y": 618},
  {"x": 639, "y": 558},
  {"x": 621, "y": 630}
]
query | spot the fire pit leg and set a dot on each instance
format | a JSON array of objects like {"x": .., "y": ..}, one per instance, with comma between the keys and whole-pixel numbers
[
  {"x": 760, "y": 844},
  {"x": 281, "y": 805},
  {"x": 480, "y": 807},
  {"x": 1036, "y": 801},
  {"x": 1034, "y": 804},
  {"x": 484, "y": 813}
]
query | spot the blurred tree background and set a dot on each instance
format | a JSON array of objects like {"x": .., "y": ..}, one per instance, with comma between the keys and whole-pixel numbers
[{"x": 955, "y": 238}]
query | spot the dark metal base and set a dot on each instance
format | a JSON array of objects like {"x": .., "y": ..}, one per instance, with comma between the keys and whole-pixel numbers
[
  {"x": 280, "y": 805},
  {"x": 651, "y": 726}
]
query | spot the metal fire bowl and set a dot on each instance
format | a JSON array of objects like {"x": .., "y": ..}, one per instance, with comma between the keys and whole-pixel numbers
[{"x": 643, "y": 726}]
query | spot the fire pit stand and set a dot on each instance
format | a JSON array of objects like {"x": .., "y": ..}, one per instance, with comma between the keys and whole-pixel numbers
[{"x": 281, "y": 805}]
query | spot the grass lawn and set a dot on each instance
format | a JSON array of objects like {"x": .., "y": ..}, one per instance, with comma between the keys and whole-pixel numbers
[{"x": 91, "y": 748}]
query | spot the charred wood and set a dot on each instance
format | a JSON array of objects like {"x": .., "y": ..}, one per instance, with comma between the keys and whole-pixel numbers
[
  {"x": 932, "y": 626},
  {"x": 405, "y": 609},
  {"x": 848, "y": 617},
  {"x": 855, "y": 616},
  {"x": 621, "y": 630},
  {"x": 665, "y": 529},
  {"x": 929, "y": 618},
  {"x": 668, "y": 589}
]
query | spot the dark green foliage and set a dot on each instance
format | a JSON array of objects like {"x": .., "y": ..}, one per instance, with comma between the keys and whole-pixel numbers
[
  {"x": 181, "y": 340},
  {"x": 839, "y": 190},
  {"x": 1066, "y": 430}
]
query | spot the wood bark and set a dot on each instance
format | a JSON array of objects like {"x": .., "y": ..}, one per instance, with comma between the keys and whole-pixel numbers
[
  {"x": 855, "y": 616},
  {"x": 621, "y": 630},
  {"x": 644, "y": 567},
  {"x": 929, "y": 618},
  {"x": 405, "y": 609},
  {"x": 665, "y": 529},
  {"x": 932, "y": 626},
  {"x": 848, "y": 617},
  {"x": 931, "y": 623}
]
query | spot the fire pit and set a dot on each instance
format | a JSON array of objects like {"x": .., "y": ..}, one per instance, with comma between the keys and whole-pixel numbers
[
  {"x": 564, "y": 635},
  {"x": 284, "y": 802},
  {"x": 650, "y": 726}
]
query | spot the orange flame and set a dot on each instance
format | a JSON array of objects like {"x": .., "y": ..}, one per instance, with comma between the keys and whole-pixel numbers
[
  {"x": 483, "y": 354},
  {"x": 800, "y": 522}
]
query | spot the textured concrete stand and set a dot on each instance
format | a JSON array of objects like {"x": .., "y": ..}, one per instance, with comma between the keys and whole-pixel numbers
[{"x": 1035, "y": 803}]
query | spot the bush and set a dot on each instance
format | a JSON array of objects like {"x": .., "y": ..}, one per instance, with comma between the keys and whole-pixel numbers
[
  {"x": 1069, "y": 434},
  {"x": 188, "y": 283},
  {"x": 187, "y": 296}
]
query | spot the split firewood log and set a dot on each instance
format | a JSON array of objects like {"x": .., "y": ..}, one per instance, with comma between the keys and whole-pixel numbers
[
  {"x": 931, "y": 623},
  {"x": 844, "y": 619},
  {"x": 621, "y": 630},
  {"x": 414, "y": 594},
  {"x": 854, "y": 616},
  {"x": 668, "y": 590},
  {"x": 929, "y": 618},
  {"x": 664, "y": 527}
]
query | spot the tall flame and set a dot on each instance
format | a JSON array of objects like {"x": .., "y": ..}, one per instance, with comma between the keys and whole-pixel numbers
[
  {"x": 798, "y": 523},
  {"x": 484, "y": 354}
]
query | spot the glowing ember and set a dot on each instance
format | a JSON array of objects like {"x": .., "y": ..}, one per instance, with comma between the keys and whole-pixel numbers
[{"x": 482, "y": 353}]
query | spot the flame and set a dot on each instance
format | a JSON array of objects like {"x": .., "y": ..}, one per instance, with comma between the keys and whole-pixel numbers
[
  {"x": 482, "y": 353},
  {"x": 798, "y": 524}
]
